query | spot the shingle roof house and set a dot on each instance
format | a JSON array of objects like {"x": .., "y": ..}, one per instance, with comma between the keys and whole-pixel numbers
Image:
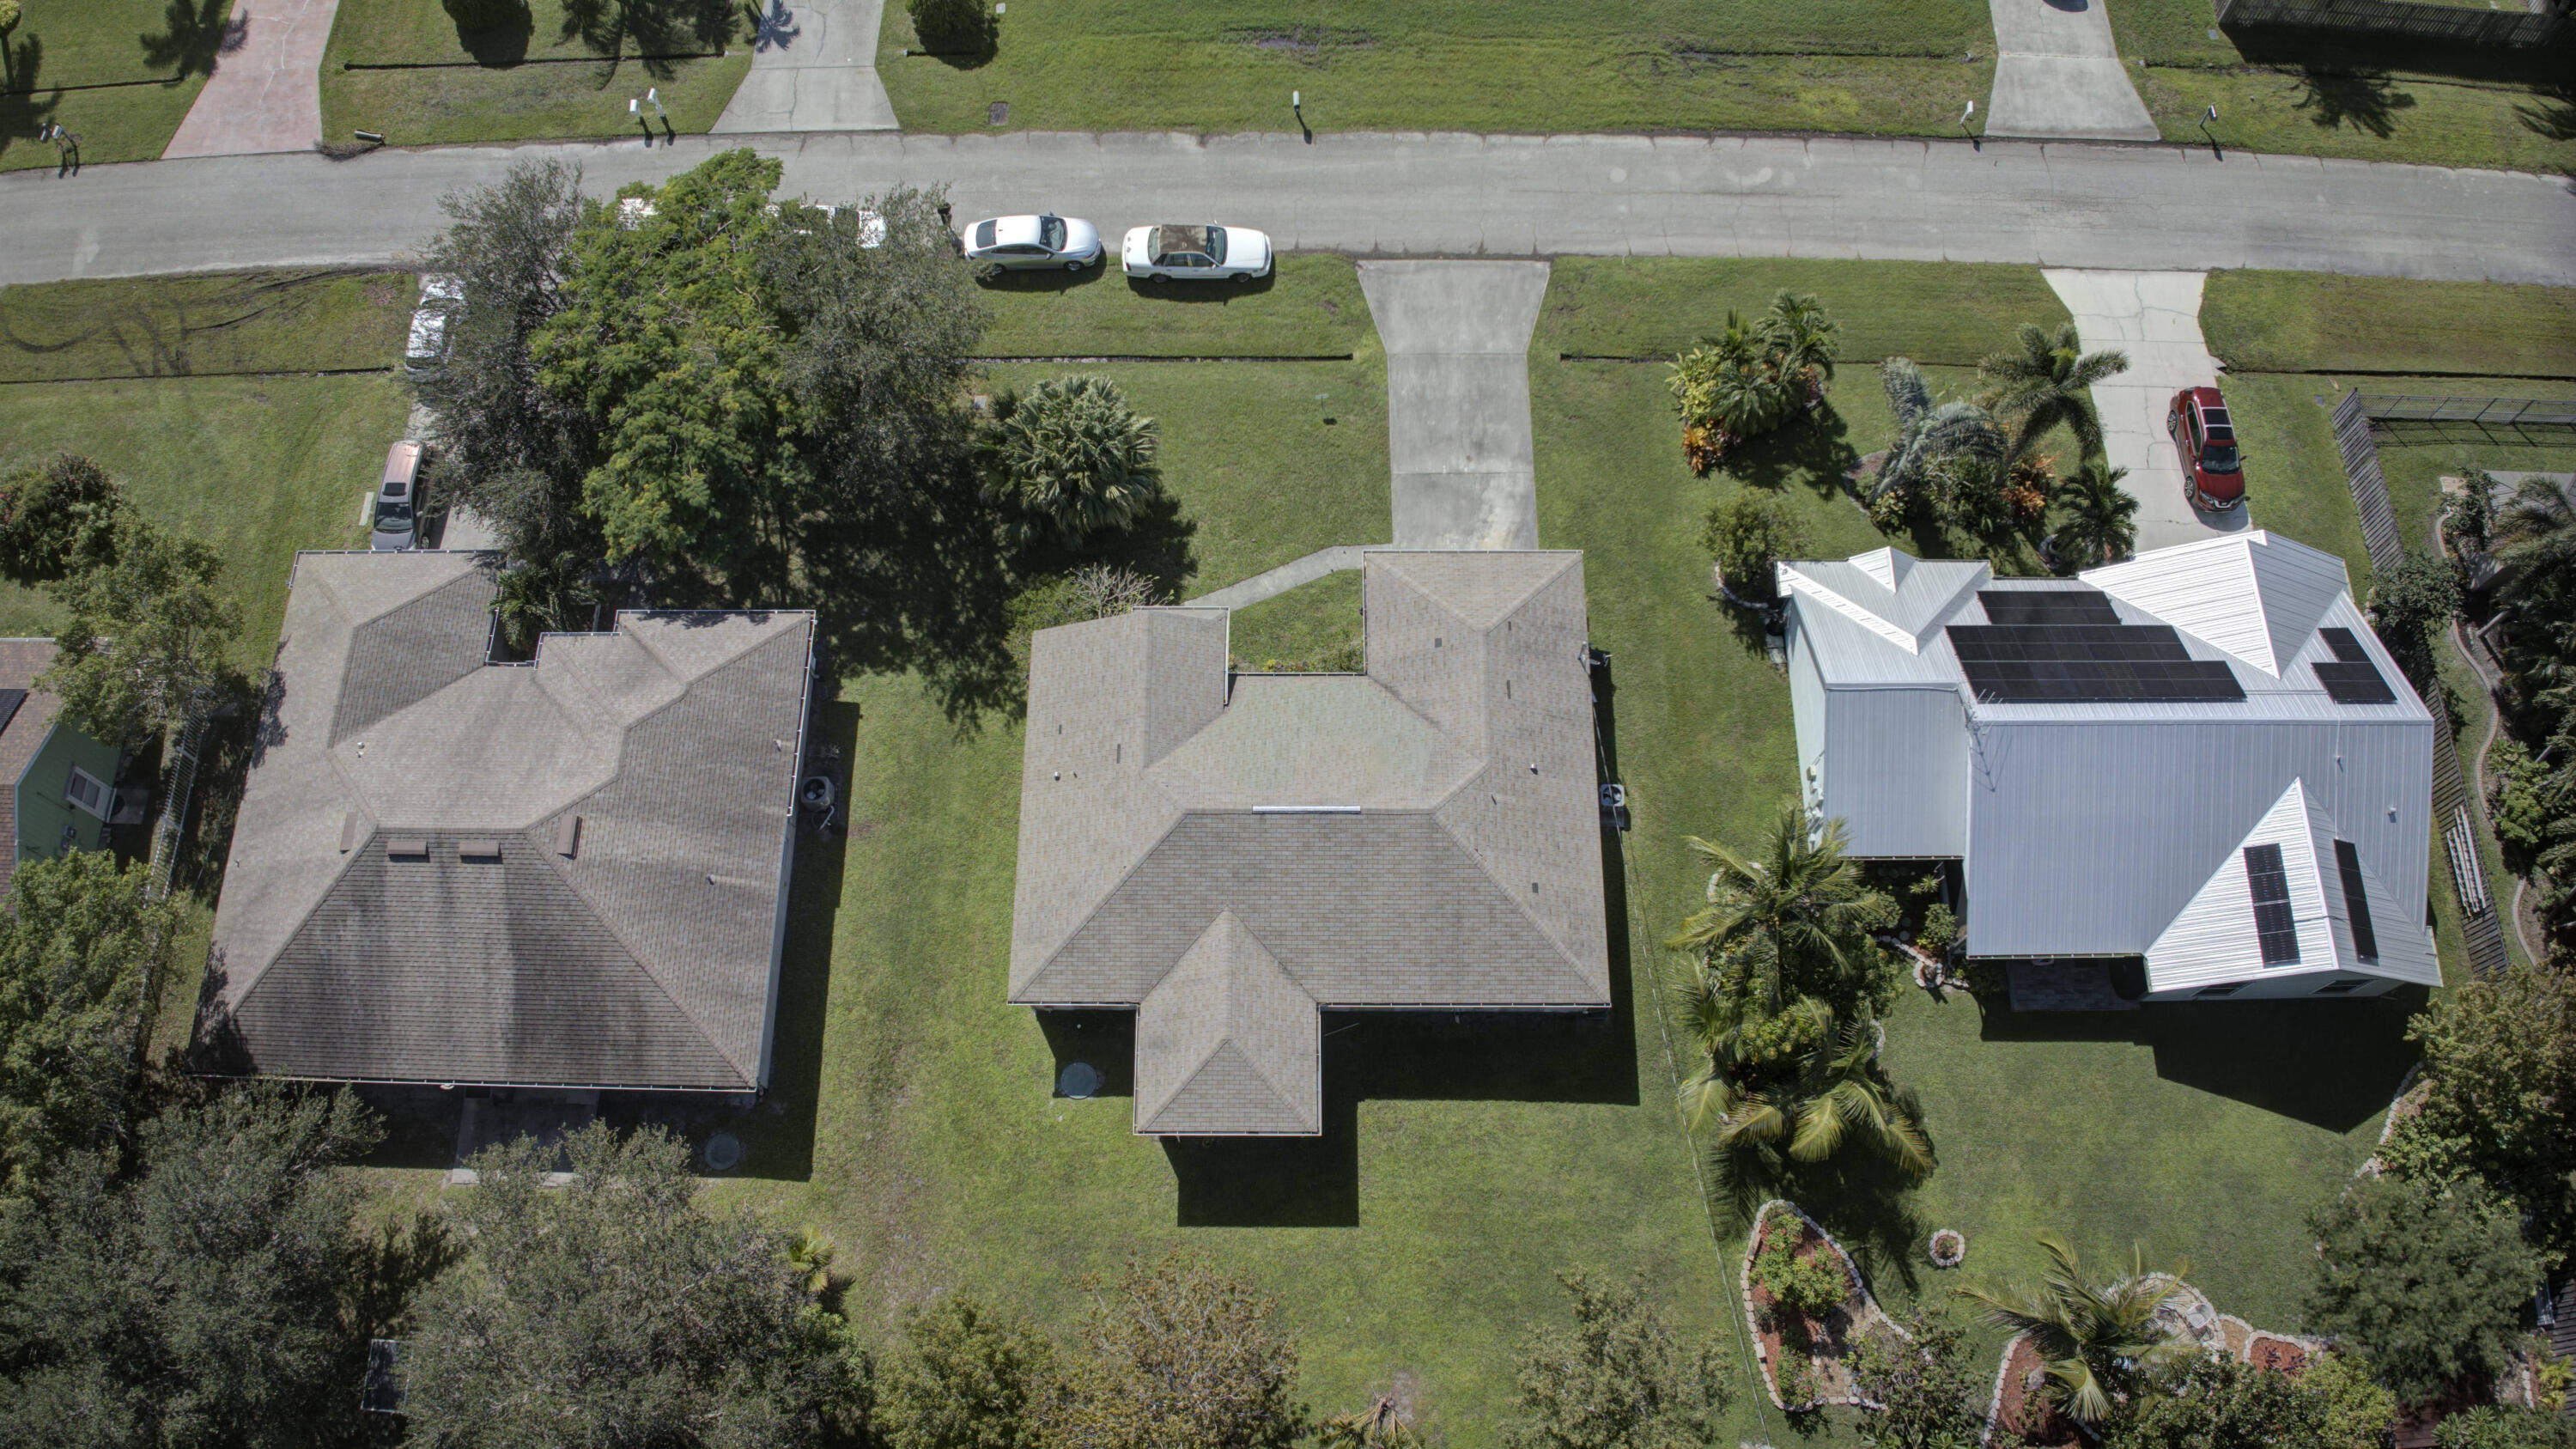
[
  {"x": 2201, "y": 757},
  {"x": 1230, "y": 855},
  {"x": 565, "y": 873}
]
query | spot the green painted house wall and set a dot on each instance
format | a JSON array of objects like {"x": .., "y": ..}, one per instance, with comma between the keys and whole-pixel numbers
[{"x": 43, "y": 809}]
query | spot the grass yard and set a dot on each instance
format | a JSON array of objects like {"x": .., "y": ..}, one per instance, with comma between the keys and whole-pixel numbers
[
  {"x": 2314, "y": 322},
  {"x": 1311, "y": 308},
  {"x": 2378, "y": 117},
  {"x": 1312, "y": 628},
  {"x": 401, "y": 68},
  {"x": 1411, "y": 65},
  {"x": 119, "y": 74},
  {"x": 1939, "y": 314},
  {"x": 205, "y": 324}
]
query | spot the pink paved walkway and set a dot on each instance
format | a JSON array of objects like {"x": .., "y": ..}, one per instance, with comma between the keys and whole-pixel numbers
[{"x": 266, "y": 92}]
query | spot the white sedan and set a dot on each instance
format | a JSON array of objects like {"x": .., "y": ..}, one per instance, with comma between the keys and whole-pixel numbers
[
  {"x": 1195, "y": 253},
  {"x": 1022, "y": 242}
]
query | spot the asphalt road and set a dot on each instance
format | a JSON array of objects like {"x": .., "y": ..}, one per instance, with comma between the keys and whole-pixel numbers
[{"x": 2154, "y": 207}]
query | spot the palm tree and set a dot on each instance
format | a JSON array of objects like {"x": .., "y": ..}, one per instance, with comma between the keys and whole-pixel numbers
[
  {"x": 1802, "y": 339},
  {"x": 2046, "y": 383},
  {"x": 2093, "y": 1341},
  {"x": 1753, "y": 1106},
  {"x": 2534, "y": 538},
  {"x": 1074, "y": 458},
  {"x": 1929, "y": 433},
  {"x": 1792, "y": 922},
  {"x": 2099, "y": 524}
]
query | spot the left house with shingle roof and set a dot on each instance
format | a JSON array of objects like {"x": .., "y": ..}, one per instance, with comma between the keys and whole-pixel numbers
[{"x": 569, "y": 872}]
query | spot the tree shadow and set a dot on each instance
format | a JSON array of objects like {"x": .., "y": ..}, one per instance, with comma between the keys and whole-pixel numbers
[
  {"x": 2552, "y": 113},
  {"x": 499, "y": 46},
  {"x": 1815, "y": 454},
  {"x": 403, "y": 1257},
  {"x": 1199, "y": 292},
  {"x": 1055, "y": 280},
  {"x": 2365, "y": 100},
  {"x": 2330, "y": 1064},
  {"x": 1866, "y": 1202},
  {"x": 194, "y": 37},
  {"x": 655, "y": 32},
  {"x": 24, "y": 112}
]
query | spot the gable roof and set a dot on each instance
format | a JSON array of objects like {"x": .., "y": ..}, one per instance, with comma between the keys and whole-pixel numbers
[
  {"x": 1424, "y": 834},
  {"x": 663, "y": 752},
  {"x": 2257, "y": 596},
  {"x": 1228, "y": 1043}
]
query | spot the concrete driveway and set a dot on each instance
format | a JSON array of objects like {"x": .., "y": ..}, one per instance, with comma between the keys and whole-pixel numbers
[
  {"x": 266, "y": 90},
  {"x": 813, "y": 68},
  {"x": 2155, "y": 318},
  {"x": 1457, "y": 338},
  {"x": 2057, "y": 73}
]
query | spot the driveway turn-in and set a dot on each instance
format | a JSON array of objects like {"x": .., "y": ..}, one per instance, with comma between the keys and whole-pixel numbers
[
  {"x": 1457, "y": 338},
  {"x": 813, "y": 68},
  {"x": 2058, "y": 74},
  {"x": 265, "y": 93},
  {"x": 2155, "y": 318}
]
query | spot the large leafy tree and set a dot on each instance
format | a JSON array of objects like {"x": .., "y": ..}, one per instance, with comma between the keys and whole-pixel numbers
[
  {"x": 2217, "y": 1402},
  {"x": 57, "y": 519},
  {"x": 2097, "y": 1344},
  {"x": 969, "y": 1377},
  {"x": 1798, "y": 1084},
  {"x": 2045, "y": 382},
  {"x": 144, "y": 636},
  {"x": 2499, "y": 1095},
  {"x": 79, "y": 946},
  {"x": 1619, "y": 1376},
  {"x": 1930, "y": 1391},
  {"x": 203, "y": 1301},
  {"x": 1175, "y": 1353},
  {"x": 2410, "y": 604},
  {"x": 2424, "y": 1280},
  {"x": 1071, "y": 459},
  {"x": 609, "y": 1311}
]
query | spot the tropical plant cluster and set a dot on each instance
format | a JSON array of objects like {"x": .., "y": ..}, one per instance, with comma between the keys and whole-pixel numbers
[
  {"x": 1807, "y": 1286},
  {"x": 1753, "y": 377},
  {"x": 1782, "y": 1006}
]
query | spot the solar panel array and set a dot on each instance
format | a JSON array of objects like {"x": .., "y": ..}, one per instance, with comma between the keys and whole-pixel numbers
[
  {"x": 2086, "y": 663},
  {"x": 2274, "y": 927},
  {"x": 2047, "y": 606},
  {"x": 2365, "y": 941},
  {"x": 2351, "y": 678}
]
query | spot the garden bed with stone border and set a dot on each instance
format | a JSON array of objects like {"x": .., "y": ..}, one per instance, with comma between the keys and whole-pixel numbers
[{"x": 1830, "y": 1341}]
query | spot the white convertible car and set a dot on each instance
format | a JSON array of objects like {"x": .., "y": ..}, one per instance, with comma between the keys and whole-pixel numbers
[{"x": 1195, "y": 253}]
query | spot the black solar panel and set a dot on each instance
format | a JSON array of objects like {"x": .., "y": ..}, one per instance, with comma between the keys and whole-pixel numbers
[
  {"x": 2273, "y": 926},
  {"x": 2356, "y": 909},
  {"x": 2047, "y": 606},
  {"x": 2355, "y": 684},
  {"x": 2345, "y": 647},
  {"x": 2087, "y": 663}
]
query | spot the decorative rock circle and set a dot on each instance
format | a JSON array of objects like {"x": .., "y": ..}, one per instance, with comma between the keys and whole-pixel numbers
[
  {"x": 1079, "y": 1080},
  {"x": 1949, "y": 1248},
  {"x": 723, "y": 1152}
]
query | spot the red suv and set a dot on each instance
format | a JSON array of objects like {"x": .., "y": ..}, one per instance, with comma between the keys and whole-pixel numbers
[{"x": 2213, "y": 474}]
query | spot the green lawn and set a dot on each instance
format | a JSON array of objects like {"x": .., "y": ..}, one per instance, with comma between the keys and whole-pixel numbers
[
  {"x": 119, "y": 74},
  {"x": 2314, "y": 322},
  {"x": 1311, "y": 308},
  {"x": 2429, "y": 120},
  {"x": 1410, "y": 65},
  {"x": 401, "y": 68},
  {"x": 1312, "y": 628},
  {"x": 260, "y": 466},
  {"x": 1939, "y": 314},
  {"x": 204, "y": 324}
]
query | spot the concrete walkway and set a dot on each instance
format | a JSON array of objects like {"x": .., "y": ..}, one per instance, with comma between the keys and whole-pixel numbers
[
  {"x": 813, "y": 68},
  {"x": 1341, "y": 559},
  {"x": 2155, "y": 318},
  {"x": 2058, "y": 74},
  {"x": 266, "y": 90},
  {"x": 1450, "y": 195},
  {"x": 1457, "y": 338}
]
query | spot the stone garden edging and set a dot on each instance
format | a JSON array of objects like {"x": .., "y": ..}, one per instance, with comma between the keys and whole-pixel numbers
[{"x": 1868, "y": 1315}]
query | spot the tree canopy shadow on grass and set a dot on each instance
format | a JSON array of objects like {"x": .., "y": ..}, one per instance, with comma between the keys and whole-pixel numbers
[
  {"x": 24, "y": 111},
  {"x": 499, "y": 46},
  {"x": 2330, "y": 1064},
  {"x": 194, "y": 35},
  {"x": 2552, "y": 113},
  {"x": 1054, "y": 280},
  {"x": 2364, "y": 100},
  {"x": 652, "y": 31},
  {"x": 1815, "y": 454}
]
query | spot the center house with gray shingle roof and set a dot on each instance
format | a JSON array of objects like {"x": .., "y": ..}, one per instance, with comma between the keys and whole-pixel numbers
[
  {"x": 564, "y": 873},
  {"x": 1231, "y": 855}
]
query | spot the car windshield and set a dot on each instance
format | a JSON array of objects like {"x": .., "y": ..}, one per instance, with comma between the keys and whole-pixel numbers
[
  {"x": 984, "y": 232},
  {"x": 1215, "y": 244},
  {"x": 2218, "y": 458},
  {"x": 1051, "y": 232},
  {"x": 393, "y": 517}
]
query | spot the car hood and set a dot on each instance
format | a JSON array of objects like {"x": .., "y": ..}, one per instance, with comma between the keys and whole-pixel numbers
[
  {"x": 1080, "y": 236},
  {"x": 1245, "y": 247},
  {"x": 2221, "y": 487}
]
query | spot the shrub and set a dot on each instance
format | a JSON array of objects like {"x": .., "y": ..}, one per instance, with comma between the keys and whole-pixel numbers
[
  {"x": 1940, "y": 929},
  {"x": 473, "y": 15},
  {"x": 1619, "y": 1377},
  {"x": 2381, "y": 1241},
  {"x": 8, "y": 16},
  {"x": 1752, "y": 377},
  {"x": 2521, "y": 816},
  {"x": 1747, "y": 534},
  {"x": 1930, "y": 1391},
  {"x": 2498, "y": 1426},
  {"x": 952, "y": 24},
  {"x": 1810, "y": 1287},
  {"x": 1072, "y": 460}
]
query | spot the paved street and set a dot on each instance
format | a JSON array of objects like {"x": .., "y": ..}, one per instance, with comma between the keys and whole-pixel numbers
[{"x": 2147, "y": 207}]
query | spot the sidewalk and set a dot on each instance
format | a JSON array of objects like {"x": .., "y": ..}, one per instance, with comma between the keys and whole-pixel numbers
[
  {"x": 266, "y": 90},
  {"x": 813, "y": 68},
  {"x": 2155, "y": 318}
]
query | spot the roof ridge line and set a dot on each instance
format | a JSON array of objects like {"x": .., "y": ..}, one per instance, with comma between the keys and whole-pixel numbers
[
  {"x": 1496, "y": 881},
  {"x": 1182, "y": 814},
  {"x": 1566, "y": 558},
  {"x": 241, "y": 998},
  {"x": 643, "y": 964}
]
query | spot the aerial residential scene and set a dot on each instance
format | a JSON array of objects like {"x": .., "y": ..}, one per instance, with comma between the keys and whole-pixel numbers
[{"x": 1071, "y": 724}]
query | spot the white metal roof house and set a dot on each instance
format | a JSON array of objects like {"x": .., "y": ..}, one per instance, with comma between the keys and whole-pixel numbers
[{"x": 2201, "y": 757}]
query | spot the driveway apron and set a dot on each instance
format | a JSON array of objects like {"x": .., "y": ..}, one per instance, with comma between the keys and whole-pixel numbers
[
  {"x": 2058, "y": 74},
  {"x": 1457, "y": 338},
  {"x": 2155, "y": 318},
  {"x": 813, "y": 68},
  {"x": 266, "y": 90}
]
